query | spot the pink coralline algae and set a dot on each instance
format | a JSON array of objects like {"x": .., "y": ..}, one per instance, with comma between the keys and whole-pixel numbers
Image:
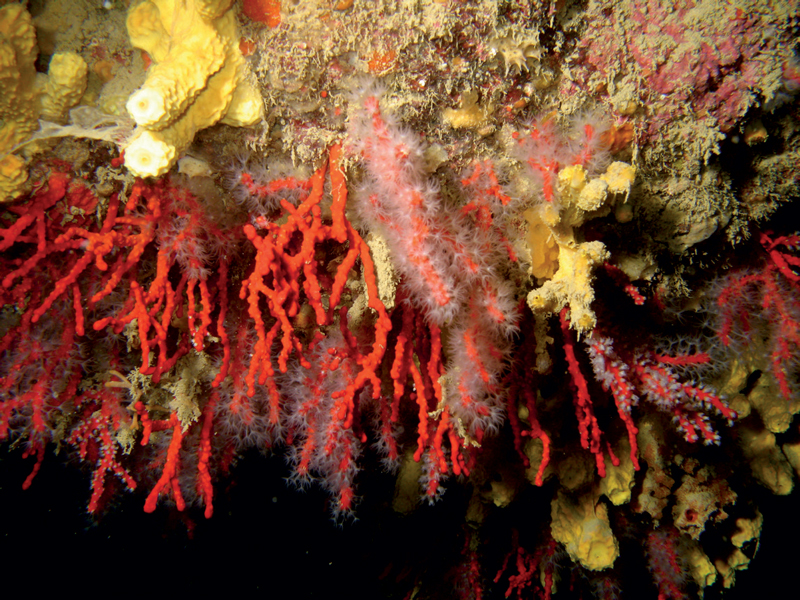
[{"x": 691, "y": 59}]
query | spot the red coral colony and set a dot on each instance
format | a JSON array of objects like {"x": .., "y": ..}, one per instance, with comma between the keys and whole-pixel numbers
[{"x": 485, "y": 344}]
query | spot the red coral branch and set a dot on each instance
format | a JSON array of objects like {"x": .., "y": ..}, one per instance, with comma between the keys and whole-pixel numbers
[{"x": 766, "y": 303}]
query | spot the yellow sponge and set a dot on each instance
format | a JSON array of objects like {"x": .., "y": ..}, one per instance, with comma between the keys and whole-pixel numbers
[
  {"x": 13, "y": 176},
  {"x": 24, "y": 97},
  {"x": 18, "y": 118},
  {"x": 198, "y": 79},
  {"x": 581, "y": 524},
  {"x": 63, "y": 87},
  {"x": 558, "y": 255}
]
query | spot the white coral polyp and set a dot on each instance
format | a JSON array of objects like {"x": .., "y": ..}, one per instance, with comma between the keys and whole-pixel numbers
[
  {"x": 148, "y": 156},
  {"x": 146, "y": 106}
]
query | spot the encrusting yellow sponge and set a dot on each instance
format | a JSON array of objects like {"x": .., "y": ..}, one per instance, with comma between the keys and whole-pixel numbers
[
  {"x": 25, "y": 97},
  {"x": 198, "y": 79},
  {"x": 17, "y": 92},
  {"x": 581, "y": 524},
  {"x": 63, "y": 86},
  {"x": 567, "y": 263},
  {"x": 13, "y": 176}
]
